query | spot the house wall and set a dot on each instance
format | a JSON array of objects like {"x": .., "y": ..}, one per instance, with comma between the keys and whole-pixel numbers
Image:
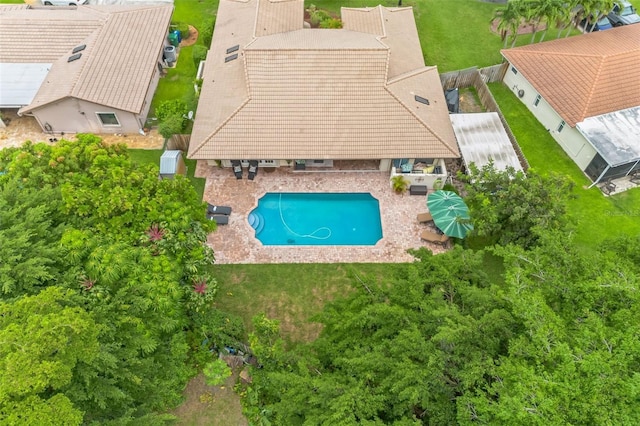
[
  {"x": 71, "y": 115},
  {"x": 151, "y": 90},
  {"x": 571, "y": 141}
]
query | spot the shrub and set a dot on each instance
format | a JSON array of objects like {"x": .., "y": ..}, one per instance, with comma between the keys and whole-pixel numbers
[
  {"x": 332, "y": 23},
  {"x": 399, "y": 184},
  {"x": 206, "y": 32},
  {"x": 171, "y": 125},
  {"x": 182, "y": 27},
  {"x": 169, "y": 108},
  {"x": 199, "y": 53}
]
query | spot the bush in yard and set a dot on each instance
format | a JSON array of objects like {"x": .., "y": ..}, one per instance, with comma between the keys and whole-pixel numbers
[
  {"x": 169, "y": 108},
  {"x": 182, "y": 27},
  {"x": 170, "y": 126},
  {"x": 331, "y": 23},
  {"x": 199, "y": 53},
  {"x": 206, "y": 32}
]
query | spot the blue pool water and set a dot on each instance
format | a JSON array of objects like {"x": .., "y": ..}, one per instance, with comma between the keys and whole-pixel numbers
[{"x": 318, "y": 219}]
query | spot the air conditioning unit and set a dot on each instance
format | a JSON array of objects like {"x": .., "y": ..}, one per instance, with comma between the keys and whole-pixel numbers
[{"x": 520, "y": 93}]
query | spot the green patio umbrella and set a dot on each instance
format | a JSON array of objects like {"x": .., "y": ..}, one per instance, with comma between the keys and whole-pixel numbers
[{"x": 450, "y": 213}]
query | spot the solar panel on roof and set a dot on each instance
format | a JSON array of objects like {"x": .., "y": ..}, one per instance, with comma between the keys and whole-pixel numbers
[
  {"x": 422, "y": 100},
  {"x": 233, "y": 49},
  {"x": 74, "y": 57},
  {"x": 79, "y": 48},
  {"x": 231, "y": 58}
]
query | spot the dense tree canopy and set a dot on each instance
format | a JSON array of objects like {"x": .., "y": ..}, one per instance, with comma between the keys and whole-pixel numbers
[
  {"x": 508, "y": 206},
  {"x": 103, "y": 269},
  {"x": 555, "y": 343}
]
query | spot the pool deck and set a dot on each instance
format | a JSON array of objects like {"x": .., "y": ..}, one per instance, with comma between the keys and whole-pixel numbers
[{"x": 236, "y": 242}]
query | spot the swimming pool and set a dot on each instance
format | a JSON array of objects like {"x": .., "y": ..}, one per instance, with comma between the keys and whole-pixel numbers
[{"x": 317, "y": 219}]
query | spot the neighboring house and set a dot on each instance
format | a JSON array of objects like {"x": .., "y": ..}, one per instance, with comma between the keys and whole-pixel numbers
[
  {"x": 283, "y": 94},
  {"x": 90, "y": 69},
  {"x": 586, "y": 91}
]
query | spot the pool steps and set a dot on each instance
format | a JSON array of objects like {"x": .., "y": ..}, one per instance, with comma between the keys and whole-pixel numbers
[{"x": 256, "y": 220}]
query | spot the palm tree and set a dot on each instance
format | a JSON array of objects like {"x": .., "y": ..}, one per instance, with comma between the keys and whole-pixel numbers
[
  {"x": 550, "y": 10},
  {"x": 509, "y": 18}
]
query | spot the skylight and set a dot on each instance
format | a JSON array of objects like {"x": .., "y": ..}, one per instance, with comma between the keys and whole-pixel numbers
[
  {"x": 233, "y": 49},
  {"x": 74, "y": 57},
  {"x": 422, "y": 100},
  {"x": 79, "y": 48},
  {"x": 231, "y": 58}
]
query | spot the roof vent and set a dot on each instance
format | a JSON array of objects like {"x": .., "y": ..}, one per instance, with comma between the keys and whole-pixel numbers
[
  {"x": 79, "y": 48},
  {"x": 233, "y": 49},
  {"x": 231, "y": 58},
  {"x": 422, "y": 100},
  {"x": 74, "y": 57}
]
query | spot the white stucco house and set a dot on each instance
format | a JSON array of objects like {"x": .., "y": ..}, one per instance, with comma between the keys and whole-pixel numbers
[
  {"x": 91, "y": 69},
  {"x": 585, "y": 90}
]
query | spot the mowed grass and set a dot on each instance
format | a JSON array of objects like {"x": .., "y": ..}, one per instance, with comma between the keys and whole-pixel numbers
[
  {"x": 291, "y": 293},
  {"x": 594, "y": 216},
  {"x": 179, "y": 81}
]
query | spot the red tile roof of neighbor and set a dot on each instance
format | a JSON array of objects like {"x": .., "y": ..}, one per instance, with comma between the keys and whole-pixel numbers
[
  {"x": 315, "y": 93},
  {"x": 584, "y": 76}
]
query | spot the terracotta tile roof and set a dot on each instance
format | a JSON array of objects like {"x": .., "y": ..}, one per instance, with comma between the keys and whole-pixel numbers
[
  {"x": 115, "y": 69},
  {"x": 586, "y": 75},
  {"x": 321, "y": 94}
]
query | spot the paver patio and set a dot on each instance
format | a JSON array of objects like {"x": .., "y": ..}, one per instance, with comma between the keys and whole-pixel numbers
[{"x": 236, "y": 242}]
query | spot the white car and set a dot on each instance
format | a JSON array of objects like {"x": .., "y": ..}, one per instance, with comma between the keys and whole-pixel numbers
[{"x": 63, "y": 2}]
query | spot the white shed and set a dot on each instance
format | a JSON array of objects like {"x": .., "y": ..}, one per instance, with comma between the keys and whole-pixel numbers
[{"x": 172, "y": 163}]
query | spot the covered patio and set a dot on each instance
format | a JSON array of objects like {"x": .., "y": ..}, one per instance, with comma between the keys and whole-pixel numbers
[{"x": 236, "y": 242}]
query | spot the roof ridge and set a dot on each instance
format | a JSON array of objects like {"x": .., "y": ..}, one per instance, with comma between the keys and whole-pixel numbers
[
  {"x": 410, "y": 74},
  {"x": 222, "y": 124},
  {"x": 592, "y": 90},
  {"x": 425, "y": 125}
]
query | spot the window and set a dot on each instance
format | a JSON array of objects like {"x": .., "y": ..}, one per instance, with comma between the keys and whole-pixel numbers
[
  {"x": 108, "y": 118},
  {"x": 561, "y": 126},
  {"x": 514, "y": 70},
  {"x": 537, "y": 101}
]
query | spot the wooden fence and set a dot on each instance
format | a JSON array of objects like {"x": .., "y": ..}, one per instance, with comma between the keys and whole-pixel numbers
[
  {"x": 180, "y": 142},
  {"x": 478, "y": 79}
]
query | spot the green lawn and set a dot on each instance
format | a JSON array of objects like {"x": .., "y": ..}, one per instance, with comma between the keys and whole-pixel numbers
[
  {"x": 179, "y": 81},
  {"x": 291, "y": 293},
  {"x": 594, "y": 216}
]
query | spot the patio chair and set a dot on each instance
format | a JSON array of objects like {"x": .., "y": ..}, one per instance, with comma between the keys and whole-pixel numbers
[
  {"x": 608, "y": 187},
  {"x": 237, "y": 168},
  {"x": 212, "y": 209},
  {"x": 634, "y": 177},
  {"x": 221, "y": 219},
  {"x": 424, "y": 217},
  {"x": 433, "y": 237},
  {"x": 253, "y": 169}
]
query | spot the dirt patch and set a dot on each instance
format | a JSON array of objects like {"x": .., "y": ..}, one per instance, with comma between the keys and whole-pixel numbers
[
  {"x": 22, "y": 129},
  {"x": 193, "y": 37},
  {"x": 524, "y": 28},
  {"x": 210, "y": 405},
  {"x": 469, "y": 101}
]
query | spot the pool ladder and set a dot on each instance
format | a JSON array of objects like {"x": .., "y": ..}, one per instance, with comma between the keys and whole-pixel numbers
[{"x": 256, "y": 220}]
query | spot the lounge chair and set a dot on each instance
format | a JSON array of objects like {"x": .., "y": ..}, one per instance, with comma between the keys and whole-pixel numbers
[
  {"x": 608, "y": 187},
  {"x": 433, "y": 237},
  {"x": 221, "y": 219},
  {"x": 237, "y": 168},
  {"x": 218, "y": 209},
  {"x": 425, "y": 217},
  {"x": 253, "y": 169}
]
